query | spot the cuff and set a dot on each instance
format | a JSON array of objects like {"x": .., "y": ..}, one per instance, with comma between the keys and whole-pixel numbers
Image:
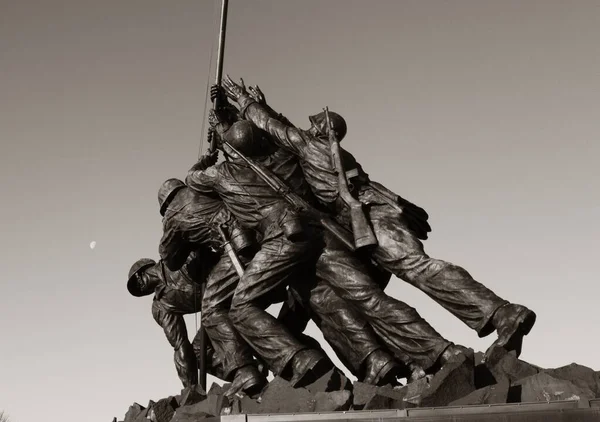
[{"x": 245, "y": 101}]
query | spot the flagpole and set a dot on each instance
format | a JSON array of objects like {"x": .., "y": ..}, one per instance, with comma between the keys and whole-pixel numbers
[
  {"x": 212, "y": 147},
  {"x": 219, "y": 75},
  {"x": 220, "y": 54}
]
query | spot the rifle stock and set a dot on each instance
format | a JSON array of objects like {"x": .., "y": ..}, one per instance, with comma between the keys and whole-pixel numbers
[
  {"x": 363, "y": 234},
  {"x": 235, "y": 260}
]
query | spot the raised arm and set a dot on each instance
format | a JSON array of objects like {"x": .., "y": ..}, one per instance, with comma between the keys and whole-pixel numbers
[
  {"x": 203, "y": 177},
  {"x": 284, "y": 135}
]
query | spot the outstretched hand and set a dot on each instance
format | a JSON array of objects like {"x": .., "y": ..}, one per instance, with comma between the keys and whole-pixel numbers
[
  {"x": 233, "y": 90},
  {"x": 257, "y": 94}
]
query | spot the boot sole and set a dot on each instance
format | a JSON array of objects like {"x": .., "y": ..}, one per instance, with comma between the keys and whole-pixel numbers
[
  {"x": 388, "y": 374},
  {"x": 313, "y": 372},
  {"x": 253, "y": 388}
]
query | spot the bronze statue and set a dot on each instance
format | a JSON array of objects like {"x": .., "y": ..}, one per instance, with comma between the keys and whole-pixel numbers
[
  {"x": 284, "y": 251},
  {"x": 354, "y": 341},
  {"x": 399, "y": 226},
  {"x": 410, "y": 338}
]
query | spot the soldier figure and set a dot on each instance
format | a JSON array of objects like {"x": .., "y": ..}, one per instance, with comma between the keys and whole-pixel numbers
[
  {"x": 174, "y": 296},
  {"x": 354, "y": 341},
  {"x": 398, "y": 225},
  {"x": 190, "y": 221},
  {"x": 284, "y": 252},
  {"x": 412, "y": 341}
]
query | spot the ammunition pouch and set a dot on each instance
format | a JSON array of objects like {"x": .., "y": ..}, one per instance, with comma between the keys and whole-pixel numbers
[
  {"x": 292, "y": 225},
  {"x": 242, "y": 241}
]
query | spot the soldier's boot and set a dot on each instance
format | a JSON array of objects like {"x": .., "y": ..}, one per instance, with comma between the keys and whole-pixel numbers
[
  {"x": 381, "y": 369},
  {"x": 247, "y": 379},
  {"x": 263, "y": 368},
  {"x": 512, "y": 323},
  {"x": 308, "y": 365}
]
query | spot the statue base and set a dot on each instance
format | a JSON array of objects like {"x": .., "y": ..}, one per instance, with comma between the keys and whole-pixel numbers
[{"x": 503, "y": 388}]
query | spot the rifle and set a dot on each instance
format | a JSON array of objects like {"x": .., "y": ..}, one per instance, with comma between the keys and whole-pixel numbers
[
  {"x": 297, "y": 202},
  {"x": 237, "y": 264},
  {"x": 363, "y": 235}
]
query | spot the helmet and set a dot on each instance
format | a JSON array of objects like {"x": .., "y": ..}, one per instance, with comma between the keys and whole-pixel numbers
[
  {"x": 244, "y": 137},
  {"x": 140, "y": 265},
  {"x": 167, "y": 192},
  {"x": 339, "y": 124}
]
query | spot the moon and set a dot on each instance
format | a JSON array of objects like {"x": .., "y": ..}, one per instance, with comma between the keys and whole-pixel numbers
[{"x": 93, "y": 244}]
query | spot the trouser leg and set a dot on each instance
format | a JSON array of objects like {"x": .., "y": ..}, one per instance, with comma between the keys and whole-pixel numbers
[
  {"x": 348, "y": 333},
  {"x": 229, "y": 346},
  {"x": 175, "y": 330},
  {"x": 214, "y": 362},
  {"x": 400, "y": 252},
  {"x": 408, "y": 336},
  {"x": 275, "y": 265}
]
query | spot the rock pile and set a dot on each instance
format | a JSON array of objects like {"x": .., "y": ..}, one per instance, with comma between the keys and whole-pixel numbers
[{"x": 501, "y": 379}]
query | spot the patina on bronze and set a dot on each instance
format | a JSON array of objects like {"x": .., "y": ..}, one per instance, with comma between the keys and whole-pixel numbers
[
  {"x": 398, "y": 224},
  {"x": 413, "y": 342}
]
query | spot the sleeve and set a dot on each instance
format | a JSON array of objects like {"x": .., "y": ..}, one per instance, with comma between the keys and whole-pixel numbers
[
  {"x": 285, "y": 135},
  {"x": 204, "y": 181},
  {"x": 173, "y": 248}
]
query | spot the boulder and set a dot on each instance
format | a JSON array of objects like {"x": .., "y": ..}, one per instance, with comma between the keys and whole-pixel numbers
[
  {"x": 581, "y": 376},
  {"x": 363, "y": 393},
  {"x": 163, "y": 410},
  {"x": 216, "y": 389},
  {"x": 333, "y": 401},
  {"x": 543, "y": 387},
  {"x": 191, "y": 395},
  {"x": 452, "y": 382},
  {"x": 134, "y": 410},
  {"x": 332, "y": 380},
  {"x": 503, "y": 364},
  {"x": 247, "y": 405},
  {"x": 492, "y": 394},
  {"x": 213, "y": 405},
  {"x": 280, "y": 397}
]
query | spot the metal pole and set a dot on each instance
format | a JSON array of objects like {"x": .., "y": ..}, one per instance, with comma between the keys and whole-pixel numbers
[
  {"x": 219, "y": 74},
  {"x": 219, "y": 77}
]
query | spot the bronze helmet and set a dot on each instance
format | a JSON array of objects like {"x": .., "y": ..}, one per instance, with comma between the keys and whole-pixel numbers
[
  {"x": 244, "y": 137},
  {"x": 167, "y": 192},
  {"x": 138, "y": 266},
  {"x": 339, "y": 124}
]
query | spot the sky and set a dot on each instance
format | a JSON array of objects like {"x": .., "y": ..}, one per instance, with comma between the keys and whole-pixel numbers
[{"x": 485, "y": 113}]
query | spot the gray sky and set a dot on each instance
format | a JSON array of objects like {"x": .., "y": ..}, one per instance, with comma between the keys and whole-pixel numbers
[{"x": 484, "y": 113}]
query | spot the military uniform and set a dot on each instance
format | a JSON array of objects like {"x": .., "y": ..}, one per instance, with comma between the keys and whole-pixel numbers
[
  {"x": 398, "y": 225},
  {"x": 278, "y": 261},
  {"x": 398, "y": 326},
  {"x": 176, "y": 295},
  {"x": 190, "y": 222}
]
